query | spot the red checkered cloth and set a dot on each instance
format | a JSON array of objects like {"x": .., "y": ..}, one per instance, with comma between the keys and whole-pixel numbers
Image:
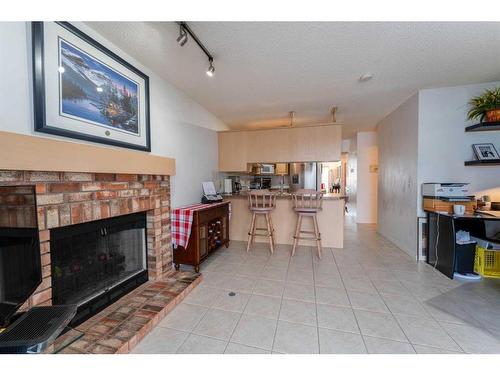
[{"x": 182, "y": 221}]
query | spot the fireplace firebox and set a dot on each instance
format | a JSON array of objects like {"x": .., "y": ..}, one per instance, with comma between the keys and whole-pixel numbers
[{"x": 96, "y": 263}]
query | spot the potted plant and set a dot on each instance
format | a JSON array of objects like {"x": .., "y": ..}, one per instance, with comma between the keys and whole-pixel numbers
[{"x": 485, "y": 106}]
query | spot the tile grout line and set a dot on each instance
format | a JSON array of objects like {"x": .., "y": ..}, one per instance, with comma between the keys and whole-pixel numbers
[
  {"x": 418, "y": 316},
  {"x": 402, "y": 266},
  {"x": 281, "y": 302},
  {"x": 353, "y": 313},
  {"x": 239, "y": 320},
  {"x": 196, "y": 325},
  {"x": 450, "y": 336},
  {"x": 316, "y": 306},
  {"x": 244, "y": 308},
  {"x": 432, "y": 319}
]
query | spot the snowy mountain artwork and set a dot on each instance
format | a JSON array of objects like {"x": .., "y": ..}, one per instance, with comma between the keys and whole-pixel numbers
[
  {"x": 92, "y": 91},
  {"x": 83, "y": 90}
]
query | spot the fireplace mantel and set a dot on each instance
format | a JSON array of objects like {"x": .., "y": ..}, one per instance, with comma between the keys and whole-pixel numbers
[{"x": 32, "y": 153}]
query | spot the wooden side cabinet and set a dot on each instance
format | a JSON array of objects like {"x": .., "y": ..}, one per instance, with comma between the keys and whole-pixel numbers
[{"x": 210, "y": 230}]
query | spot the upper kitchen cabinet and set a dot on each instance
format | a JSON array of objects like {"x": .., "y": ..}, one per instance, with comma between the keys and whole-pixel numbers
[
  {"x": 281, "y": 169},
  {"x": 311, "y": 143},
  {"x": 315, "y": 143},
  {"x": 267, "y": 146},
  {"x": 232, "y": 151}
]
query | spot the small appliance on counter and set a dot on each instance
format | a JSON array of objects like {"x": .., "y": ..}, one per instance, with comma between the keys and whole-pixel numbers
[
  {"x": 259, "y": 168},
  {"x": 236, "y": 187},
  {"x": 235, "y": 184},
  {"x": 228, "y": 186},
  {"x": 254, "y": 185},
  {"x": 209, "y": 193},
  {"x": 446, "y": 197},
  {"x": 447, "y": 191}
]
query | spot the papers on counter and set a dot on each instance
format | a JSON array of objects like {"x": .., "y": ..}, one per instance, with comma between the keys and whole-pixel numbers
[{"x": 490, "y": 213}]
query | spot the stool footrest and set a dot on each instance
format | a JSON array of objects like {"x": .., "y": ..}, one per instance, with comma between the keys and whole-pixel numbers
[
  {"x": 260, "y": 234},
  {"x": 307, "y": 238}
]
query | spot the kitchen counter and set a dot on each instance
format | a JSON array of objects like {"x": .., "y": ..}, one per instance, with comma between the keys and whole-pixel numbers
[
  {"x": 330, "y": 220},
  {"x": 244, "y": 195}
]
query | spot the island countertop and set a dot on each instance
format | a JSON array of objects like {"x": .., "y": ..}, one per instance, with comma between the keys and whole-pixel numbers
[
  {"x": 244, "y": 195},
  {"x": 330, "y": 220}
]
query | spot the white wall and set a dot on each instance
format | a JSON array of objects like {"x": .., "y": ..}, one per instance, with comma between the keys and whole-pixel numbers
[
  {"x": 352, "y": 176},
  {"x": 397, "y": 177},
  {"x": 443, "y": 145},
  {"x": 424, "y": 141},
  {"x": 366, "y": 194},
  {"x": 180, "y": 127}
]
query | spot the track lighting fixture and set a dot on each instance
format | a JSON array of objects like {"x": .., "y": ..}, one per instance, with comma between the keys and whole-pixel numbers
[
  {"x": 182, "y": 38},
  {"x": 211, "y": 69},
  {"x": 184, "y": 30}
]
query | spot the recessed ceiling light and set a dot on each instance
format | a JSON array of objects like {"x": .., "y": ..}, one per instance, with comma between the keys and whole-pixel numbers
[{"x": 365, "y": 77}]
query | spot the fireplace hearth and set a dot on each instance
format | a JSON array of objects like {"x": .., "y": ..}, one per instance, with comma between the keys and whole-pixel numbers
[{"x": 95, "y": 263}]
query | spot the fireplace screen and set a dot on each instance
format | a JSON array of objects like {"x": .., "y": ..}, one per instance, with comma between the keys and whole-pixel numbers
[{"x": 90, "y": 259}]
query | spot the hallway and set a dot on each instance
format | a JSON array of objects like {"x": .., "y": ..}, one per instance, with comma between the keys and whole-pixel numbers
[{"x": 369, "y": 297}]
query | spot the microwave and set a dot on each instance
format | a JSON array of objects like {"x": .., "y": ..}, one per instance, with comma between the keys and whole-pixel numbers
[{"x": 267, "y": 168}]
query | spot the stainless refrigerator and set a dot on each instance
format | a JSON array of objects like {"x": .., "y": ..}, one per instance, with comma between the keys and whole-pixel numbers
[{"x": 303, "y": 176}]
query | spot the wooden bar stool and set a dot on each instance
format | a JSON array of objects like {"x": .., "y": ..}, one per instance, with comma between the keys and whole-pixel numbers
[
  {"x": 307, "y": 203},
  {"x": 261, "y": 202}
]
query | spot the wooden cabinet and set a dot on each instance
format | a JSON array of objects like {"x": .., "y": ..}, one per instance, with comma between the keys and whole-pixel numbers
[
  {"x": 315, "y": 143},
  {"x": 209, "y": 231},
  {"x": 232, "y": 151},
  {"x": 268, "y": 146},
  {"x": 281, "y": 168},
  {"x": 312, "y": 143}
]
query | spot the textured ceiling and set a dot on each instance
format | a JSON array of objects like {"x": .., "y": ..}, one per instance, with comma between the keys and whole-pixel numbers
[{"x": 265, "y": 69}]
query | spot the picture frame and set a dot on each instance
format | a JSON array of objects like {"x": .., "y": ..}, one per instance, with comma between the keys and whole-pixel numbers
[
  {"x": 485, "y": 151},
  {"x": 83, "y": 90}
]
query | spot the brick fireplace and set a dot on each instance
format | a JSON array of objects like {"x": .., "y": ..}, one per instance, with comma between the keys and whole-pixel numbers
[{"x": 68, "y": 198}]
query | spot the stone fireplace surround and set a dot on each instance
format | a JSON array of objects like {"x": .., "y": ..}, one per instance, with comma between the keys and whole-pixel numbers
[{"x": 67, "y": 198}]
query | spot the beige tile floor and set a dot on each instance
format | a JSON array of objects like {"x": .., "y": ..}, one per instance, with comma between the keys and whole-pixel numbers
[{"x": 369, "y": 297}]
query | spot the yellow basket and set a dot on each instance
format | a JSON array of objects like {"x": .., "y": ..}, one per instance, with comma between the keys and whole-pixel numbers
[{"x": 487, "y": 262}]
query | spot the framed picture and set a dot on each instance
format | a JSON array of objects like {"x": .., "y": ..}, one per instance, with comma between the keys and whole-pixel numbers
[
  {"x": 485, "y": 151},
  {"x": 83, "y": 90}
]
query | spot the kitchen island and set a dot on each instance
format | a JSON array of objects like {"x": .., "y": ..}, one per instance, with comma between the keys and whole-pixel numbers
[{"x": 330, "y": 220}]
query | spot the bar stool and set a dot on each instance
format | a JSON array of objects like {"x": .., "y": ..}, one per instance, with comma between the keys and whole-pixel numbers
[
  {"x": 261, "y": 202},
  {"x": 307, "y": 203}
]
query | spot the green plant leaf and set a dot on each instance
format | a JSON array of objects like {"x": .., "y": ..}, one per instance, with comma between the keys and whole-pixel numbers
[{"x": 487, "y": 101}]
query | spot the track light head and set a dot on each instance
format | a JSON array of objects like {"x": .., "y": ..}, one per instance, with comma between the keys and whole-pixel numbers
[
  {"x": 182, "y": 38},
  {"x": 211, "y": 69}
]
